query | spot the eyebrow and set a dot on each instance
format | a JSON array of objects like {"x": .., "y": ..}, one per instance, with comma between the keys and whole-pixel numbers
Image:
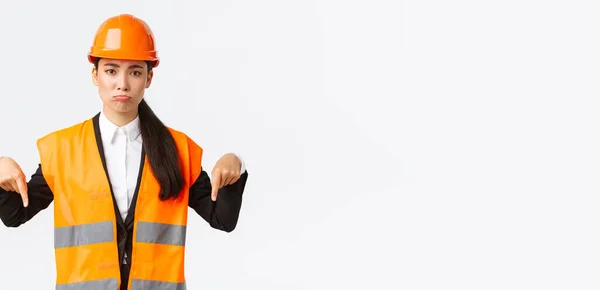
[{"x": 116, "y": 65}]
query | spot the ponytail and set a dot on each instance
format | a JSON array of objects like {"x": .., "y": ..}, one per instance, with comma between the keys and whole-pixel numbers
[
  {"x": 160, "y": 148},
  {"x": 162, "y": 152}
]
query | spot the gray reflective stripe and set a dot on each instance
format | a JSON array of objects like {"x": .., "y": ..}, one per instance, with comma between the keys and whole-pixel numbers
[
  {"x": 156, "y": 233},
  {"x": 90, "y": 285},
  {"x": 137, "y": 284},
  {"x": 85, "y": 234}
]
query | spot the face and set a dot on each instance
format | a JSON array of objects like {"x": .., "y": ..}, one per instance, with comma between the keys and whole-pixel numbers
[{"x": 121, "y": 84}]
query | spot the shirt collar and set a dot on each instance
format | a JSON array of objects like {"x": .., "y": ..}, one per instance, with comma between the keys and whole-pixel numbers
[{"x": 108, "y": 129}]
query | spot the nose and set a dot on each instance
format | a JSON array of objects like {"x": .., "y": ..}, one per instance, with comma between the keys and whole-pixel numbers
[{"x": 123, "y": 83}]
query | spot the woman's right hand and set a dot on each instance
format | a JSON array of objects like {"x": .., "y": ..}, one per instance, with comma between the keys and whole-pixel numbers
[{"x": 12, "y": 178}]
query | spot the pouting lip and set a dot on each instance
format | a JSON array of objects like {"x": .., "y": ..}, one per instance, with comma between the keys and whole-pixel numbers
[{"x": 121, "y": 97}]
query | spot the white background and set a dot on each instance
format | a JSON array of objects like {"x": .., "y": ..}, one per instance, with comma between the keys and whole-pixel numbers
[{"x": 390, "y": 144}]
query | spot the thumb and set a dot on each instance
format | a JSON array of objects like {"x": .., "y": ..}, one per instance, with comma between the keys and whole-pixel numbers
[
  {"x": 22, "y": 185},
  {"x": 216, "y": 184}
]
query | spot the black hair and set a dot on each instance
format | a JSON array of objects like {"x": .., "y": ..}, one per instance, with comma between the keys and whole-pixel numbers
[{"x": 160, "y": 147}]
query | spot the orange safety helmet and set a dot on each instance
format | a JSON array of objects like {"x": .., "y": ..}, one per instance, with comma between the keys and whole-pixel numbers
[{"x": 124, "y": 37}]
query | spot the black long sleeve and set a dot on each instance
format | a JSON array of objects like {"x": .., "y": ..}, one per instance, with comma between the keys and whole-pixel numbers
[
  {"x": 223, "y": 213},
  {"x": 12, "y": 211}
]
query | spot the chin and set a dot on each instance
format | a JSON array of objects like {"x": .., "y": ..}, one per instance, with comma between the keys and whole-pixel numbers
[{"x": 123, "y": 107}]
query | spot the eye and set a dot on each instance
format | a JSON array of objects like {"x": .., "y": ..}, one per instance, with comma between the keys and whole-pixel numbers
[
  {"x": 136, "y": 73},
  {"x": 110, "y": 71}
]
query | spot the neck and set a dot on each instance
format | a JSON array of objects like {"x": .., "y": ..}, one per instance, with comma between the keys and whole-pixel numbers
[{"x": 120, "y": 119}]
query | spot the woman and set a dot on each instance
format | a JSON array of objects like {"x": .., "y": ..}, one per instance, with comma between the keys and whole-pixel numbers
[{"x": 122, "y": 181}]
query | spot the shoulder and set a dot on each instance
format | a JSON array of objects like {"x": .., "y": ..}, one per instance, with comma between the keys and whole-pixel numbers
[
  {"x": 188, "y": 149},
  {"x": 66, "y": 133},
  {"x": 182, "y": 138},
  {"x": 48, "y": 144}
]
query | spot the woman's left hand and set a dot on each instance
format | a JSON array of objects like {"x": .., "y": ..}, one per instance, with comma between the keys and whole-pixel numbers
[{"x": 225, "y": 172}]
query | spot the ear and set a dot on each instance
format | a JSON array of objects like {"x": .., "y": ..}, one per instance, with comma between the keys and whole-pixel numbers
[
  {"x": 95, "y": 76},
  {"x": 149, "y": 80}
]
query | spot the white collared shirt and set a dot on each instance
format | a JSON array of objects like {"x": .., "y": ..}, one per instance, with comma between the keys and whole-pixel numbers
[{"x": 122, "y": 151}]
